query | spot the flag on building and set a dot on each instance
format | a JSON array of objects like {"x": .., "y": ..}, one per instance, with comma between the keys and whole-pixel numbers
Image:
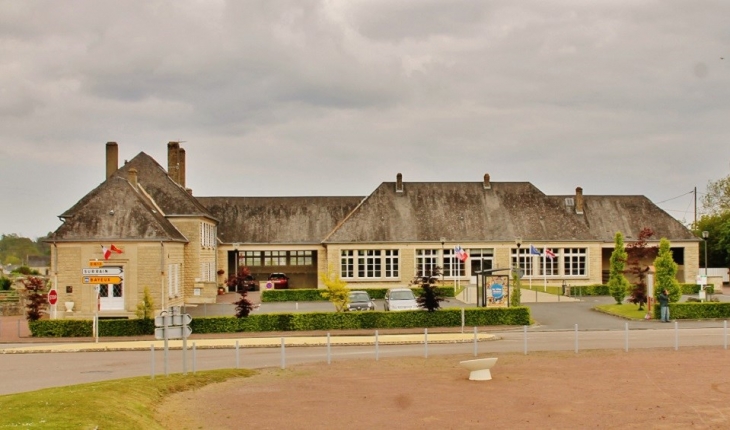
[
  {"x": 460, "y": 253},
  {"x": 549, "y": 253},
  {"x": 115, "y": 249},
  {"x": 106, "y": 252},
  {"x": 534, "y": 250}
]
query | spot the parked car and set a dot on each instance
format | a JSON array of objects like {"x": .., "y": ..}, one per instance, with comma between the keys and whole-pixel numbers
[
  {"x": 280, "y": 281},
  {"x": 400, "y": 299},
  {"x": 360, "y": 301},
  {"x": 251, "y": 283}
]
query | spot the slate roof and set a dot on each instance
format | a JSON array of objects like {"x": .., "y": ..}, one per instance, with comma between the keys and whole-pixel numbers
[
  {"x": 467, "y": 212},
  {"x": 290, "y": 220},
  {"x": 135, "y": 216}
]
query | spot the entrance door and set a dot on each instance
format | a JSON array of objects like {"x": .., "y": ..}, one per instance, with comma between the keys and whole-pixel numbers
[{"x": 111, "y": 297}]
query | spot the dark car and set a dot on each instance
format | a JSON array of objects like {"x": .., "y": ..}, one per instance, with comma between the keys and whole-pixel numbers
[
  {"x": 279, "y": 281},
  {"x": 360, "y": 301},
  {"x": 251, "y": 283}
]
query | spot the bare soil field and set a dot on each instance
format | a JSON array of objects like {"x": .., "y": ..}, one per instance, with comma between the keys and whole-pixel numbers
[{"x": 640, "y": 389}]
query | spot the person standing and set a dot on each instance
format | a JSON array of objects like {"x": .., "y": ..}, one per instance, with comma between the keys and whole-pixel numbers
[{"x": 664, "y": 305}]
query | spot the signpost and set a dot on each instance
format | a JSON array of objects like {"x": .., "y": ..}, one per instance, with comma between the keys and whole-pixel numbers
[
  {"x": 174, "y": 326},
  {"x": 53, "y": 299},
  {"x": 102, "y": 279},
  {"x": 95, "y": 263},
  {"x": 102, "y": 271}
]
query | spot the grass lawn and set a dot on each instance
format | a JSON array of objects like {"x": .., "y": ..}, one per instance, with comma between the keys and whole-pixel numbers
[
  {"x": 118, "y": 404},
  {"x": 625, "y": 310}
]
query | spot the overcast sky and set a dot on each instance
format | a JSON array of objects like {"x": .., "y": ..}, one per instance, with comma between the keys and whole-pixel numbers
[{"x": 292, "y": 98}]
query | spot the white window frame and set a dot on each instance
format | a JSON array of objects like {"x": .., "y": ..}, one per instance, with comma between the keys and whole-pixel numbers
[
  {"x": 347, "y": 264},
  {"x": 391, "y": 260},
  {"x": 426, "y": 261},
  {"x": 575, "y": 262}
]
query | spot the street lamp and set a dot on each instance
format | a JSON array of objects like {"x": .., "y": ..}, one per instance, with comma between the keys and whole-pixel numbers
[
  {"x": 518, "y": 242},
  {"x": 705, "y": 236},
  {"x": 443, "y": 260}
]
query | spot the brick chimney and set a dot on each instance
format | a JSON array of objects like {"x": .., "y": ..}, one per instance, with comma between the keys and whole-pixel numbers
[
  {"x": 173, "y": 161},
  {"x": 181, "y": 167},
  {"x": 133, "y": 177},
  {"x": 579, "y": 201},
  {"x": 112, "y": 158},
  {"x": 487, "y": 184},
  {"x": 399, "y": 183}
]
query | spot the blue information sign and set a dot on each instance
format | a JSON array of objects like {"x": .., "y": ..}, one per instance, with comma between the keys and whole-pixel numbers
[{"x": 497, "y": 291}]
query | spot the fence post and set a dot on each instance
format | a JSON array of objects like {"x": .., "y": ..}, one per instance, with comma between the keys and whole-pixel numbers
[
  {"x": 425, "y": 343},
  {"x": 724, "y": 331},
  {"x": 283, "y": 354},
  {"x": 524, "y": 330},
  {"x": 377, "y": 346},
  {"x": 626, "y": 347},
  {"x": 576, "y": 338},
  {"x": 329, "y": 351},
  {"x": 238, "y": 362},
  {"x": 475, "y": 341},
  {"x": 152, "y": 354},
  {"x": 676, "y": 335},
  {"x": 193, "y": 358}
]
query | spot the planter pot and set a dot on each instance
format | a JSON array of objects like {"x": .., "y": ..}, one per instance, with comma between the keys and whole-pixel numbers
[{"x": 69, "y": 306}]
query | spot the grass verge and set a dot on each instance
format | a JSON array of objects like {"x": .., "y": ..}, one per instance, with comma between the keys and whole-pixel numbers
[
  {"x": 624, "y": 310},
  {"x": 118, "y": 404}
]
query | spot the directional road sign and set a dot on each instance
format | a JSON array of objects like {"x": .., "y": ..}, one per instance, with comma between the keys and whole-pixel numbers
[
  {"x": 102, "y": 280},
  {"x": 95, "y": 263},
  {"x": 102, "y": 271},
  {"x": 173, "y": 332},
  {"x": 172, "y": 320}
]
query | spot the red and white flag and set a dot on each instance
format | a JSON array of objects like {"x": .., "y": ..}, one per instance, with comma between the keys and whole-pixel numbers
[
  {"x": 460, "y": 253},
  {"x": 106, "y": 252},
  {"x": 549, "y": 253},
  {"x": 115, "y": 249}
]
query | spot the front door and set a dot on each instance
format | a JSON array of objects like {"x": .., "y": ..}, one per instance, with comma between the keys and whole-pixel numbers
[{"x": 111, "y": 297}]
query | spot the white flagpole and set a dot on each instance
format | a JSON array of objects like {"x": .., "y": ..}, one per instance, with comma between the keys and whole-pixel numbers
[
  {"x": 530, "y": 261},
  {"x": 544, "y": 271}
]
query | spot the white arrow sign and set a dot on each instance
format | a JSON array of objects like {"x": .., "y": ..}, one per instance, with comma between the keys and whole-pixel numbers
[
  {"x": 173, "y": 320},
  {"x": 102, "y": 271},
  {"x": 174, "y": 332}
]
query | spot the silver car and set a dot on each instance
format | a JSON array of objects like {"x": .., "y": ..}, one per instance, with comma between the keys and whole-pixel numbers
[{"x": 400, "y": 299}]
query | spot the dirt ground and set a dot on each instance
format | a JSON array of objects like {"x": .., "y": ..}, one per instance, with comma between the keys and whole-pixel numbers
[{"x": 641, "y": 389}]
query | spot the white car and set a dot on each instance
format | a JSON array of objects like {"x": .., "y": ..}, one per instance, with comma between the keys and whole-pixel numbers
[{"x": 400, "y": 299}]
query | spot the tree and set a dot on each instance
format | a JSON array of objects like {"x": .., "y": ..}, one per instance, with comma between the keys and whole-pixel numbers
[
  {"x": 431, "y": 295},
  {"x": 516, "y": 297},
  {"x": 638, "y": 253},
  {"x": 666, "y": 271},
  {"x": 617, "y": 283},
  {"x": 146, "y": 308},
  {"x": 718, "y": 242},
  {"x": 717, "y": 197},
  {"x": 238, "y": 283},
  {"x": 35, "y": 297},
  {"x": 337, "y": 292}
]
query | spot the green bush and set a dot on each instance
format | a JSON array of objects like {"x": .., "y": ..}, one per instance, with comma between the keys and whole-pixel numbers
[
  {"x": 695, "y": 288},
  {"x": 5, "y": 283},
  {"x": 315, "y": 295},
  {"x": 311, "y": 321},
  {"x": 590, "y": 290},
  {"x": 696, "y": 310}
]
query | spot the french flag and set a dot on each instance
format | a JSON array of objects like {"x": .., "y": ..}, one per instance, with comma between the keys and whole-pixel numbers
[
  {"x": 108, "y": 251},
  {"x": 460, "y": 253}
]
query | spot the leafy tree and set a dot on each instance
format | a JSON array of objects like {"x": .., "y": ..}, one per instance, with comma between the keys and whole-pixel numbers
[
  {"x": 638, "y": 253},
  {"x": 15, "y": 249},
  {"x": 666, "y": 271},
  {"x": 718, "y": 242},
  {"x": 617, "y": 283},
  {"x": 35, "y": 297},
  {"x": 237, "y": 282},
  {"x": 5, "y": 283},
  {"x": 337, "y": 292},
  {"x": 717, "y": 197},
  {"x": 146, "y": 308},
  {"x": 431, "y": 295}
]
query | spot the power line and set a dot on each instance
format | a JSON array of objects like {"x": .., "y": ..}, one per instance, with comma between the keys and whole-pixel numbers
[{"x": 674, "y": 198}]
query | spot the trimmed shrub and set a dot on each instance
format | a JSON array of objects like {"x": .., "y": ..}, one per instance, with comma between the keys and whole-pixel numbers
[
  {"x": 696, "y": 310},
  {"x": 315, "y": 295}
]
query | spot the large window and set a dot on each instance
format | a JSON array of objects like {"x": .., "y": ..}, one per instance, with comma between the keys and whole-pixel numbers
[
  {"x": 522, "y": 258},
  {"x": 274, "y": 258},
  {"x": 574, "y": 261},
  {"x": 452, "y": 265},
  {"x": 369, "y": 264},
  {"x": 173, "y": 280},
  {"x": 481, "y": 259},
  {"x": 549, "y": 266},
  {"x": 347, "y": 263},
  {"x": 250, "y": 258},
  {"x": 426, "y": 261},
  {"x": 207, "y": 235},
  {"x": 300, "y": 258},
  {"x": 391, "y": 263}
]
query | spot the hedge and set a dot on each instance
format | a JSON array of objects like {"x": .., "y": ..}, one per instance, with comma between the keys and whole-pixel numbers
[
  {"x": 602, "y": 290},
  {"x": 696, "y": 310},
  {"x": 312, "y": 321},
  {"x": 315, "y": 295}
]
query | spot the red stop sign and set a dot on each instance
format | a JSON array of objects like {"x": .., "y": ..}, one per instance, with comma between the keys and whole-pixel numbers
[{"x": 52, "y": 297}]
